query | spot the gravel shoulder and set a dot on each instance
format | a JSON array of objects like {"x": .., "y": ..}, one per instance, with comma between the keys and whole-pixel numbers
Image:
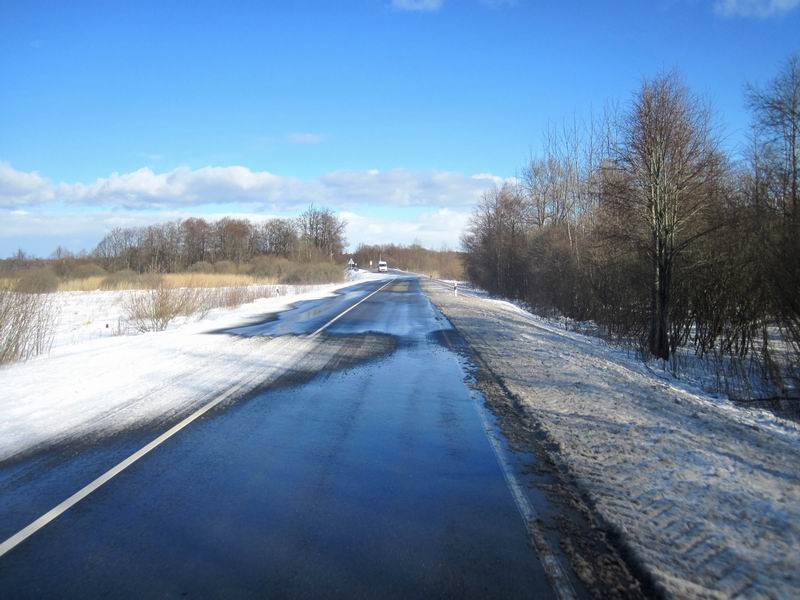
[{"x": 703, "y": 496}]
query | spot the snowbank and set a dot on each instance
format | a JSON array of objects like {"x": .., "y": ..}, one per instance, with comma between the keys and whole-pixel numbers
[
  {"x": 97, "y": 382},
  {"x": 706, "y": 494}
]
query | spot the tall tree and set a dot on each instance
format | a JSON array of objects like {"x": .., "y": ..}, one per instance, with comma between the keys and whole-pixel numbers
[
  {"x": 322, "y": 233},
  {"x": 668, "y": 169}
]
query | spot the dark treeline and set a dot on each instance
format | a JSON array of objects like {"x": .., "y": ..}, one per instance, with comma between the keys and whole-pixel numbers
[
  {"x": 442, "y": 263},
  {"x": 316, "y": 235},
  {"x": 641, "y": 222}
]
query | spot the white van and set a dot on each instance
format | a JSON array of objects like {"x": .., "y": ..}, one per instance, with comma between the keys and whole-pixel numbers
[{"x": 382, "y": 266}]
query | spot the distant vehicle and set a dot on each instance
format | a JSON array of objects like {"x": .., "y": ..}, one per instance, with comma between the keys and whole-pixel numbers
[{"x": 382, "y": 266}]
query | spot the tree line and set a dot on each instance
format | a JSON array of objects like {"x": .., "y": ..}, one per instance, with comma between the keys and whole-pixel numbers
[
  {"x": 318, "y": 234},
  {"x": 639, "y": 219},
  {"x": 414, "y": 257}
]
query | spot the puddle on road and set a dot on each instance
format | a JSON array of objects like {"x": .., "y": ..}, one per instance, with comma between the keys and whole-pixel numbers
[
  {"x": 372, "y": 477},
  {"x": 301, "y": 317},
  {"x": 364, "y": 470}
]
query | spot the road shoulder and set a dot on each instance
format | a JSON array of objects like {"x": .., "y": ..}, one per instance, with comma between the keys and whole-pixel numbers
[{"x": 702, "y": 501}]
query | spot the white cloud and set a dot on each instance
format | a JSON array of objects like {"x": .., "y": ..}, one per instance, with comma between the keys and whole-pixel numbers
[
  {"x": 179, "y": 187},
  {"x": 433, "y": 229},
  {"x": 183, "y": 187},
  {"x": 418, "y": 5},
  {"x": 300, "y": 137},
  {"x": 430, "y": 206},
  {"x": 18, "y": 188},
  {"x": 754, "y": 8}
]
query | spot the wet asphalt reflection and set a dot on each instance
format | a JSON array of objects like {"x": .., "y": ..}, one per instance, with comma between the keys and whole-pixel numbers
[{"x": 371, "y": 477}]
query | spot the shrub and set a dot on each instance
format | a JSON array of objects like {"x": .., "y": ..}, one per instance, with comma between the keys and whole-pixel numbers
[
  {"x": 155, "y": 308},
  {"x": 201, "y": 267},
  {"x": 37, "y": 281},
  {"x": 299, "y": 273},
  {"x": 85, "y": 271},
  {"x": 225, "y": 266},
  {"x": 26, "y": 325},
  {"x": 270, "y": 267},
  {"x": 118, "y": 279}
]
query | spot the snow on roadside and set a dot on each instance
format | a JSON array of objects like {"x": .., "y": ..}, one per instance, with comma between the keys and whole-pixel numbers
[
  {"x": 83, "y": 316},
  {"x": 706, "y": 494},
  {"x": 694, "y": 383},
  {"x": 95, "y": 383},
  {"x": 749, "y": 416}
]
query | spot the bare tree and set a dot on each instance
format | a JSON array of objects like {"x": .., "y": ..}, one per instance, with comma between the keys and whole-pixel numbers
[
  {"x": 321, "y": 232},
  {"x": 777, "y": 118},
  {"x": 668, "y": 165}
]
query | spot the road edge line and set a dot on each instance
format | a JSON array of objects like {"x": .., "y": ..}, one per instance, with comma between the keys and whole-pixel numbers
[{"x": 552, "y": 566}]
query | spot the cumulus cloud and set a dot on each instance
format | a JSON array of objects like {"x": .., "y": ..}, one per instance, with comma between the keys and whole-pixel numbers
[
  {"x": 754, "y": 8},
  {"x": 184, "y": 187},
  {"x": 432, "y": 229},
  {"x": 428, "y": 206},
  {"x": 418, "y": 5},
  {"x": 181, "y": 187},
  {"x": 301, "y": 137},
  {"x": 18, "y": 188}
]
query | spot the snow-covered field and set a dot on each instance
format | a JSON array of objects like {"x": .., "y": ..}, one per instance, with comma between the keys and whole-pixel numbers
[
  {"x": 705, "y": 493},
  {"x": 97, "y": 381}
]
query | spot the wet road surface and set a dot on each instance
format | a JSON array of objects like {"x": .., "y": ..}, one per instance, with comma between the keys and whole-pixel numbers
[{"x": 372, "y": 477}]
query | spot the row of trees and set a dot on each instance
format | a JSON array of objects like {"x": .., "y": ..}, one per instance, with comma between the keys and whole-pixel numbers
[
  {"x": 439, "y": 263},
  {"x": 640, "y": 221},
  {"x": 317, "y": 234}
]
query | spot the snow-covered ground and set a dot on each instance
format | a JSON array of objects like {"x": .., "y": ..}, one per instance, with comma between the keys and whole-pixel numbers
[
  {"x": 97, "y": 382},
  {"x": 705, "y": 493},
  {"x": 727, "y": 377}
]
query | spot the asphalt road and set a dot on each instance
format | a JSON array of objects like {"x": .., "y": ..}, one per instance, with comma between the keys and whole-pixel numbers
[{"x": 379, "y": 475}]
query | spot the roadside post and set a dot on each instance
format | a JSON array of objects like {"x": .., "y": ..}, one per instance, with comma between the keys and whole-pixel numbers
[{"x": 455, "y": 288}]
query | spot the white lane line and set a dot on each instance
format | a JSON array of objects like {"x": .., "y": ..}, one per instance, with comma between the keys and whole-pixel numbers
[
  {"x": 54, "y": 513},
  {"x": 19, "y": 537},
  {"x": 340, "y": 315},
  {"x": 560, "y": 582}
]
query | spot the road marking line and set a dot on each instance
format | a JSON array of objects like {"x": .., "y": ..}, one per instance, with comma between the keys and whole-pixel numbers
[
  {"x": 54, "y": 513},
  {"x": 340, "y": 315},
  {"x": 64, "y": 506},
  {"x": 562, "y": 586}
]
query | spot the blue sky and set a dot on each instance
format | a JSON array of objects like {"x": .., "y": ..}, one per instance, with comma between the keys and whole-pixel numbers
[{"x": 398, "y": 113}]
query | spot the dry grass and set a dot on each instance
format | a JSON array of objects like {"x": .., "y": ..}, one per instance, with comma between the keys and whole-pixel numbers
[
  {"x": 26, "y": 325},
  {"x": 170, "y": 280},
  {"x": 263, "y": 271},
  {"x": 214, "y": 280},
  {"x": 156, "y": 308},
  {"x": 89, "y": 284}
]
